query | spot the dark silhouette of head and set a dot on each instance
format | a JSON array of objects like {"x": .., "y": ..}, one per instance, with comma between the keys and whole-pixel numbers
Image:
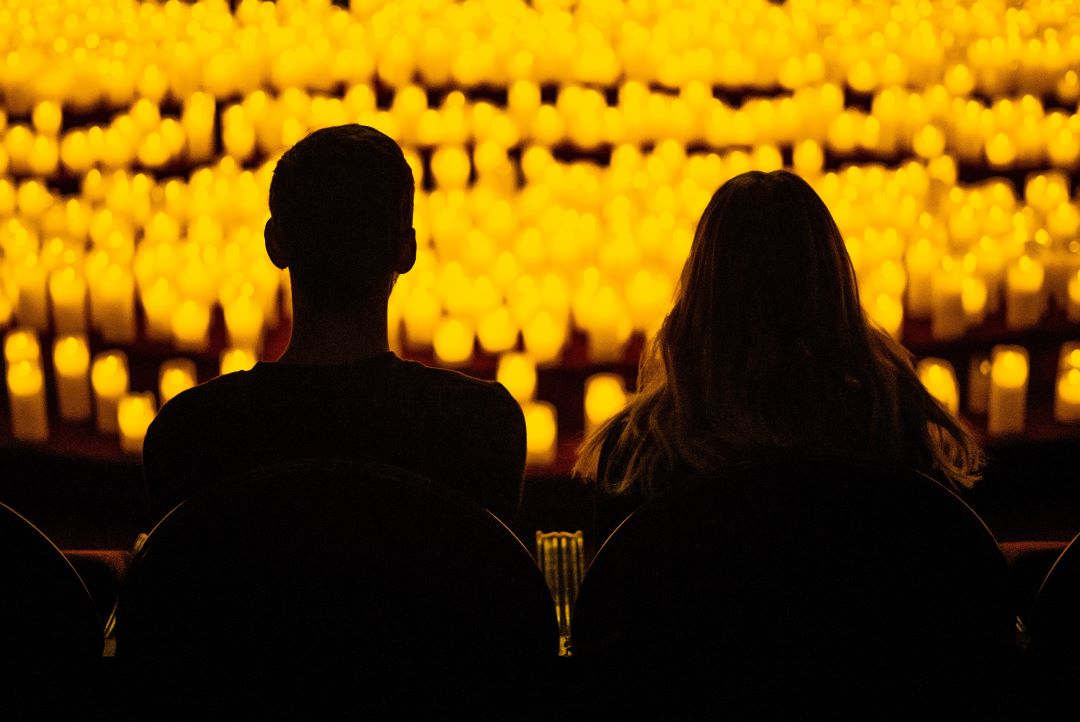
[
  {"x": 341, "y": 204},
  {"x": 767, "y": 347}
]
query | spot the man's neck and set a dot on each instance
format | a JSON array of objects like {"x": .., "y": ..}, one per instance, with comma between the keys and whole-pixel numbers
[{"x": 320, "y": 338}]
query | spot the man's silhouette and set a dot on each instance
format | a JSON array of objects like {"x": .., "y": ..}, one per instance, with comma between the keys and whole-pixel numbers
[{"x": 341, "y": 203}]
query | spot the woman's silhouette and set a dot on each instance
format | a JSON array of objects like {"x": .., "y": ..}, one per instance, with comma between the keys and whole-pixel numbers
[{"x": 767, "y": 349}]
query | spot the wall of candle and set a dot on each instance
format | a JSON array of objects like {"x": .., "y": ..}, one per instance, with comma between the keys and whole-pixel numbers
[{"x": 563, "y": 154}]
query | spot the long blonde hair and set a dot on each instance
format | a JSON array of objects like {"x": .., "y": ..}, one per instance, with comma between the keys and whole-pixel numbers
[{"x": 767, "y": 347}]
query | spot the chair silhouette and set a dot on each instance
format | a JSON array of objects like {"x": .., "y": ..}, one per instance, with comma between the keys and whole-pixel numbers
[
  {"x": 1053, "y": 625},
  {"x": 333, "y": 582},
  {"x": 796, "y": 585},
  {"x": 48, "y": 613}
]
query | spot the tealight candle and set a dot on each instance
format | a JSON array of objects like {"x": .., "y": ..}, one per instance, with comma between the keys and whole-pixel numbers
[
  {"x": 605, "y": 396},
  {"x": 978, "y": 399},
  {"x": 134, "y": 413},
  {"x": 1067, "y": 396},
  {"x": 71, "y": 364},
  {"x": 453, "y": 342},
  {"x": 541, "y": 432},
  {"x": 21, "y": 344},
  {"x": 236, "y": 359},
  {"x": 939, "y": 378},
  {"x": 174, "y": 376},
  {"x": 109, "y": 379},
  {"x": 67, "y": 291},
  {"x": 26, "y": 395},
  {"x": 190, "y": 325},
  {"x": 1024, "y": 299},
  {"x": 517, "y": 373},
  {"x": 1008, "y": 390}
]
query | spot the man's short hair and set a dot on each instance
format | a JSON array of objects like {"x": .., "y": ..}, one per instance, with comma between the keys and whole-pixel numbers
[{"x": 341, "y": 199}]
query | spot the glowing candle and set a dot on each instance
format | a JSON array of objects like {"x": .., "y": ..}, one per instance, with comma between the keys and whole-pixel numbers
[
  {"x": 1008, "y": 390},
  {"x": 947, "y": 311},
  {"x": 420, "y": 316},
  {"x": 973, "y": 296},
  {"x": 244, "y": 323},
  {"x": 67, "y": 290},
  {"x": 190, "y": 325},
  {"x": 979, "y": 384},
  {"x": 109, "y": 379},
  {"x": 939, "y": 378},
  {"x": 608, "y": 327},
  {"x": 1067, "y": 396},
  {"x": 517, "y": 372},
  {"x": 236, "y": 359},
  {"x": 1024, "y": 298},
  {"x": 544, "y": 338},
  {"x": 26, "y": 395},
  {"x": 115, "y": 305},
  {"x": 497, "y": 331},
  {"x": 605, "y": 396},
  {"x": 71, "y": 364},
  {"x": 158, "y": 303},
  {"x": 134, "y": 413},
  {"x": 541, "y": 432},
  {"x": 32, "y": 307},
  {"x": 174, "y": 376},
  {"x": 921, "y": 260},
  {"x": 453, "y": 342},
  {"x": 21, "y": 344},
  {"x": 888, "y": 312}
]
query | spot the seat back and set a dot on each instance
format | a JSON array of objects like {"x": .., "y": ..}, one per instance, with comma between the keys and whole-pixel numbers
[
  {"x": 48, "y": 613},
  {"x": 337, "y": 577},
  {"x": 795, "y": 583},
  {"x": 1053, "y": 625}
]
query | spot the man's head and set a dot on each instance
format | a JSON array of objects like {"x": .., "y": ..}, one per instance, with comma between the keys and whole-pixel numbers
[{"x": 341, "y": 203}]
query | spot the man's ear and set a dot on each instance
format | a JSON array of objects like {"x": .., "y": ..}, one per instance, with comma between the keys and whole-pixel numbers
[
  {"x": 277, "y": 254},
  {"x": 406, "y": 252}
]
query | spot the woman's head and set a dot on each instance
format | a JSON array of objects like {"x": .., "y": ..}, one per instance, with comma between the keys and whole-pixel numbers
[{"x": 767, "y": 346}]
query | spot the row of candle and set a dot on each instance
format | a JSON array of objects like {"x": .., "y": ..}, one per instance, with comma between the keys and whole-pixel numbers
[
  {"x": 86, "y": 387},
  {"x": 92, "y": 51}
]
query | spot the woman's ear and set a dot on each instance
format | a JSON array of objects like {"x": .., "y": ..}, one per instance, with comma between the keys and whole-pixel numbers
[{"x": 274, "y": 250}]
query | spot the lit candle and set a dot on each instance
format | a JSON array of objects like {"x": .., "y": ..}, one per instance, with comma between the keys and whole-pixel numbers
[
  {"x": 1024, "y": 298},
  {"x": 497, "y": 331},
  {"x": 190, "y": 324},
  {"x": 979, "y": 384},
  {"x": 921, "y": 260},
  {"x": 421, "y": 314},
  {"x": 517, "y": 372},
  {"x": 1008, "y": 390},
  {"x": 26, "y": 395},
  {"x": 236, "y": 359},
  {"x": 973, "y": 297},
  {"x": 158, "y": 303},
  {"x": 21, "y": 344},
  {"x": 1067, "y": 396},
  {"x": 174, "y": 376},
  {"x": 541, "y": 432},
  {"x": 453, "y": 342},
  {"x": 947, "y": 311},
  {"x": 939, "y": 378},
  {"x": 608, "y": 327},
  {"x": 544, "y": 338},
  {"x": 605, "y": 396},
  {"x": 1073, "y": 304},
  {"x": 115, "y": 301},
  {"x": 71, "y": 364},
  {"x": 244, "y": 322},
  {"x": 888, "y": 312},
  {"x": 31, "y": 307},
  {"x": 67, "y": 291},
  {"x": 134, "y": 413},
  {"x": 109, "y": 379}
]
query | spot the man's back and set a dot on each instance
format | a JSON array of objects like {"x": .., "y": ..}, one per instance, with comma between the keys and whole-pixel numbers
[{"x": 454, "y": 429}]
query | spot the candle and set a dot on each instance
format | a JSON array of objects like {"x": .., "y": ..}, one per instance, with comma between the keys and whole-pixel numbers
[
  {"x": 244, "y": 322},
  {"x": 158, "y": 303},
  {"x": 109, "y": 379},
  {"x": 517, "y": 373},
  {"x": 497, "y": 331},
  {"x": 21, "y": 344},
  {"x": 605, "y": 396},
  {"x": 236, "y": 359},
  {"x": 979, "y": 384},
  {"x": 1024, "y": 298},
  {"x": 1073, "y": 304},
  {"x": 544, "y": 338},
  {"x": 921, "y": 260},
  {"x": 608, "y": 327},
  {"x": 453, "y": 342},
  {"x": 888, "y": 313},
  {"x": 190, "y": 324},
  {"x": 174, "y": 376},
  {"x": 1008, "y": 390},
  {"x": 421, "y": 314},
  {"x": 67, "y": 290},
  {"x": 26, "y": 395},
  {"x": 71, "y": 364},
  {"x": 134, "y": 413},
  {"x": 541, "y": 432},
  {"x": 939, "y": 378},
  {"x": 115, "y": 305},
  {"x": 973, "y": 296},
  {"x": 31, "y": 306},
  {"x": 1067, "y": 396},
  {"x": 947, "y": 310}
]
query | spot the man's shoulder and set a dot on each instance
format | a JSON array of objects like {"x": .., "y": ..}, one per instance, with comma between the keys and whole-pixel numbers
[
  {"x": 204, "y": 402},
  {"x": 454, "y": 391}
]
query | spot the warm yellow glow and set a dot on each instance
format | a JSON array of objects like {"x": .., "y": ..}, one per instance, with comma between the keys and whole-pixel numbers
[
  {"x": 26, "y": 395},
  {"x": 21, "y": 344},
  {"x": 453, "y": 342},
  {"x": 517, "y": 372},
  {"x": 939, "y": 378},
  {"x": 190, "y": 325},
  {"x": 71, "y": 364},
  {"x": 605, "y": 395},
  {"x": 174, "y": 376},
  {"x": 109, "y": 380},
  {"x": 1008, "y": 390},
  {"x": 541, "y": 432},
  {"x": 237, "y": 359},
  {"x": 135, "y": 411}
]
